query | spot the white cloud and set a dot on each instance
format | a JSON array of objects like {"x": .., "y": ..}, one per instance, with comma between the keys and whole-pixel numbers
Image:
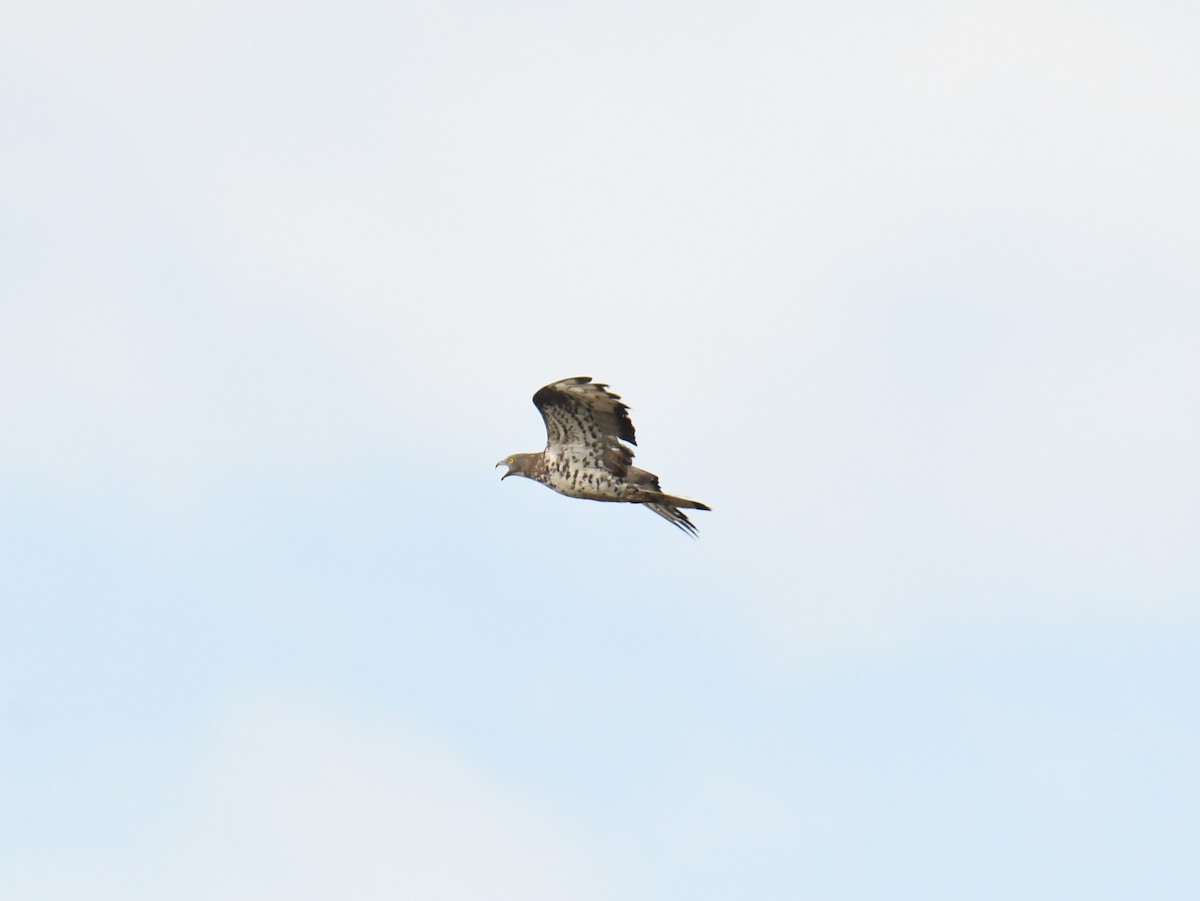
[
  {"x": 871, "y": 279},
  {"x": 290, "y": 799},
  {"x": 716, "y": 829},
  {"x": 907, "y": 294}
]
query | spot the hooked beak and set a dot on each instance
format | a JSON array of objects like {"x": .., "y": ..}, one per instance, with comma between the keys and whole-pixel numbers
[{"x": 507, "y": 474}]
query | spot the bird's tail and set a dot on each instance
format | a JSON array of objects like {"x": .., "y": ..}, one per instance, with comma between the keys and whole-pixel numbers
[
  {"x": 667, "y": 506},
  {"x": 674, "y": 501}
]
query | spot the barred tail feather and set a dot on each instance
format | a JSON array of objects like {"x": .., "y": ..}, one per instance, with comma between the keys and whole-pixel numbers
[
  {"x": 667, "y": 506},
  {"x": 682, "y": 502},
  {"x": 674, "y": 516}
]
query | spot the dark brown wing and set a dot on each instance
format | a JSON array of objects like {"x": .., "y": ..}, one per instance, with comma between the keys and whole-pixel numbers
[{"x": 582, "y": 413}]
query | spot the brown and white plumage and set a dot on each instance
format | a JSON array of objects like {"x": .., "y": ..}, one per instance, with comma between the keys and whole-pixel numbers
[{"x": 585, "y": 455}]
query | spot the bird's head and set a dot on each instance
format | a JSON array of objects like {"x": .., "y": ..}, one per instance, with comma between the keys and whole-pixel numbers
[{"x": 517, "y": 465}]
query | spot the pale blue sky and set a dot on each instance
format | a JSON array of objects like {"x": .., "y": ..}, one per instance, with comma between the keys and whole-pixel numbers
[{"x": 907, "y": 294}]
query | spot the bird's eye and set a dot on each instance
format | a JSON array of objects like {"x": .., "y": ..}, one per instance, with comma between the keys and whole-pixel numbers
[{"x": 510, "y": 461}]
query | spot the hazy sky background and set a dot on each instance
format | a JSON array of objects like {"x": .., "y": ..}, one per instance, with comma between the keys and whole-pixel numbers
[{"x": 909, "y": 293}]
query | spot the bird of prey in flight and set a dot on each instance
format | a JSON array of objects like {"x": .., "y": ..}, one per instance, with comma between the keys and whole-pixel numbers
[{"x": 586, "y": 425}]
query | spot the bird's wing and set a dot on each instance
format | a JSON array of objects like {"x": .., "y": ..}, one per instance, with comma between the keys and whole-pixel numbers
[{"x": 582, "y": 413}]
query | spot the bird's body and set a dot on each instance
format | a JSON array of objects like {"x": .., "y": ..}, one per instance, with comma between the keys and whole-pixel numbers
[{"x": 585, "y": 455}]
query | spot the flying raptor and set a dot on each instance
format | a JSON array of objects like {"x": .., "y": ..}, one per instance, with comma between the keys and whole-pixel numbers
[{"x": 585, "y": 457}]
